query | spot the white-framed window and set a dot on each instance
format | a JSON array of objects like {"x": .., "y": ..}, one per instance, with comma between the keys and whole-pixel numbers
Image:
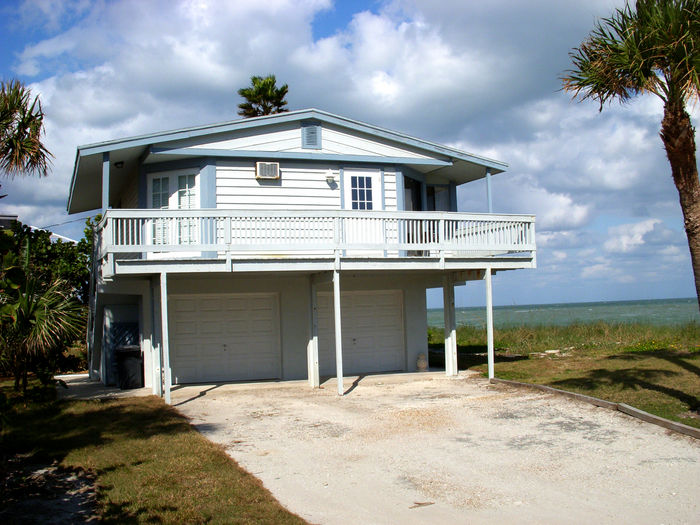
[
  {"x": 360, "y": 192},
  {"x": 176, "y": 190},
  {"x": 362, "y": 188}
]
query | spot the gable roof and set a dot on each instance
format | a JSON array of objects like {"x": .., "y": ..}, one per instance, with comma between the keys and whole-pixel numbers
[{"x": 163, "y": 146}]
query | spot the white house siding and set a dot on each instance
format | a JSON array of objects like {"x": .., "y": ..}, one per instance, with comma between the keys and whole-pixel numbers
[
  {"x": 390, "y": 190},
  {"x": 334, "y": 141},
  {"x": 343, "y": 142},
  {"x": 276, "y": 138},
  {"x": 299, "y": 188}
]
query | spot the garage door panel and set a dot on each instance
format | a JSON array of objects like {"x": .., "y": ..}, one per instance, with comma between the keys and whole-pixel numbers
[
  {"x": 224, "y": 339},
  {"x": 372, "y": 324}
]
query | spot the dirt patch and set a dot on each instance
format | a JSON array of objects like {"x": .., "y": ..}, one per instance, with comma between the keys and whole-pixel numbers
[{"x": 48, "y": 494}]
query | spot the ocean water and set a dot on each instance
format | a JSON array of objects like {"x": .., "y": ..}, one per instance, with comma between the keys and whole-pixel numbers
[{"x": 657, "y": 311}]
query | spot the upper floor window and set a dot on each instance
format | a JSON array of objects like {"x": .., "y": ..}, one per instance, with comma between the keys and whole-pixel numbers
[{"x": 361, "y": 192}]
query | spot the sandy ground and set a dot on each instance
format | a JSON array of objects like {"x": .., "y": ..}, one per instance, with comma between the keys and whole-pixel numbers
[{"x": 424, "y": 448}]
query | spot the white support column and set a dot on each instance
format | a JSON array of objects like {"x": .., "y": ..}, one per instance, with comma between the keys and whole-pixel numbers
[
  {"x": 489, "y": 322},
  {"x": 488, "y": 189},
  {"x": 448, "y": 296},
  {"x": 157, "y": 377},
  {"x": 165, "y": 346},
  {"x": 312, "y": 348},
  {"x": 338, "y": 331},
  {"x": 105, "y": 181}
]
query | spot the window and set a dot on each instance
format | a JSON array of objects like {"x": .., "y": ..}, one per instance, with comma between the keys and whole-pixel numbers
[
  {"x": 174, "y": 191},
  {"x": 361, "y": 192}
]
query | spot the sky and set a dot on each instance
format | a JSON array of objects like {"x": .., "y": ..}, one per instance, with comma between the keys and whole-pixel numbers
[{"x": 479, "y": 76}]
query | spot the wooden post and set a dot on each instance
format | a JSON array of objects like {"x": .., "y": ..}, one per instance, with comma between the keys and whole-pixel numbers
[
  {"x": 489, "y": 322},
  {"x": 157, "y": 350},
  {"x": 165, "y": 346},
  {"x": 338, "y": 331},
  {"x": 488, "y": 189},
  {"x": 105, "y": 182},
  {"x": 448, "y": 297},
  {"x": 312, "y": 348}
]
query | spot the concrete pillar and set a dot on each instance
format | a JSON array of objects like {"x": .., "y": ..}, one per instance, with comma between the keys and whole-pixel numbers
[
  {"x": 165, "y": 346},
  {"x": 489, "y": 322},
  {"x": 312, "y": 348},
  {"x": 448, "y": 297},
  {"x": 338, "y": 332}
]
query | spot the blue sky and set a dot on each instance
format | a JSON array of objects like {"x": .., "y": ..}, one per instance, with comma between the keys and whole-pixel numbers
[{"x": 480, "y": 76}]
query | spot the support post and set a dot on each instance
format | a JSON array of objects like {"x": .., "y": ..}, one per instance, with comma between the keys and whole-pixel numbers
[
  {"x": 105, "y": 181},
  {"x": 488, "y": 189},
  {"x": 489, "y": 322},
  {"x": 312, "y": 348},
  {"x": 165, "y": 346},
  {"x": 448, "y": 296},
  {"x": 338, "y": 331},
  {"x": 157, "y": 377}
]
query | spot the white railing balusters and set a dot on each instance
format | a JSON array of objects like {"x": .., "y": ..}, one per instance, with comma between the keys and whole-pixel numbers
[{"x": 356, "y": 233}]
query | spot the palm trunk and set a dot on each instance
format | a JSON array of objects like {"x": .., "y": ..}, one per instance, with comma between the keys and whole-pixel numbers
[{"x": 678, "y": 136}]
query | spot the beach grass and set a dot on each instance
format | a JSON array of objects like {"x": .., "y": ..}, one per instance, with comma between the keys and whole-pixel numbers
[
  {"x": 151, "y": 465},
  {"x": 653, "y": 368}
]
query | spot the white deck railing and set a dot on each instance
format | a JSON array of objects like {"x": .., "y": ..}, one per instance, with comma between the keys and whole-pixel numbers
[{"x": 164, "y": 233}]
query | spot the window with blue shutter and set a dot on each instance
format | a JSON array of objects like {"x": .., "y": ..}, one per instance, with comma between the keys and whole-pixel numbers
[{"x": 311, "y": 136}]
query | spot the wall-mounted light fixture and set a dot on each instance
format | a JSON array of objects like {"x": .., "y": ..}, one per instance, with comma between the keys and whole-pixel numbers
[{"x": 330, "y": 177}]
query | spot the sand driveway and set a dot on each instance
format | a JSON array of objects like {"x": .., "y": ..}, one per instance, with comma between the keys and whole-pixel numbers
[{"x": 424, "y": 448}]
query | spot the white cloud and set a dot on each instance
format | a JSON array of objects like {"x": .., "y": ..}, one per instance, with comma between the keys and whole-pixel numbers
[{"x": 482, "y": 76}]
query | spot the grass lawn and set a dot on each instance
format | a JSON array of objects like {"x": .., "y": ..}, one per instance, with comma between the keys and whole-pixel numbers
[
  {"x": 151, "y": 465},
  {"x": 656, "y": 369}
]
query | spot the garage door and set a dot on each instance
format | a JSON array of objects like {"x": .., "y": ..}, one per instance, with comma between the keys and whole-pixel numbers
[
  {"x": 372, "y": 324},
  {"x": 224, "y": 337}
]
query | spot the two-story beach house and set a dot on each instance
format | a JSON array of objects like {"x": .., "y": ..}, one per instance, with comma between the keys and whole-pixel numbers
[{"x": 296, "y": 245}]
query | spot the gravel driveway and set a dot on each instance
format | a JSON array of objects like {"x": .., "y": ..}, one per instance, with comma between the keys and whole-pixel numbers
[{"x": 424, "y": 448}]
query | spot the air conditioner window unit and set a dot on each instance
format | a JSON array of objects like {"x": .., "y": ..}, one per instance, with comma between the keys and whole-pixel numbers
[{"x": 267, "y": 170}]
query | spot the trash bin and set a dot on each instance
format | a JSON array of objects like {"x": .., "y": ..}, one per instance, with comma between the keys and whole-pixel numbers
[{"x": 129, "y": 366}]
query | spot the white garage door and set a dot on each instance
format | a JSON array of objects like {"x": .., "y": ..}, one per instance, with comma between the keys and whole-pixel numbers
[
  {"x": 372, "y": 324},
  {"x": 224, "y": 337}
]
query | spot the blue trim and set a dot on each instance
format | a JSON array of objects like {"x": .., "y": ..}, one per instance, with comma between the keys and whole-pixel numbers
[
  {"x": 415, "y": 175},
  {"x": 453, "y": 196},
  {"x": 207, "y": 184},
  {"x": 424, "y": 196},
  {"x": 143, "y": 187},
  {"x": 253, "y": 154},
  {"x": 105, "y": 181},
  {"x": 341, "y": 175},
  {"x": 381, "y": 182},
  {"x": 180, "y": 164},
  {"x": 400, "y": 192},
  {"x": 292, "y": 116}
]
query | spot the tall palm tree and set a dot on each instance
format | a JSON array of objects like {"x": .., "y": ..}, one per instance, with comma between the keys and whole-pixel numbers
[
  {"x": 263, "y": 97},
  {"x": 651, "y": 48},
  {"x": 21, "y": 129}
]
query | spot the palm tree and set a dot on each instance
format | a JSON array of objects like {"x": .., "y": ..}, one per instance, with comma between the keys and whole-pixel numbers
[
  {"x": 21, "y": 128},
  {"x": 263, "y": 97},
  {"x": 651, "y": 48},
  {"x": 35, "y": 320}
]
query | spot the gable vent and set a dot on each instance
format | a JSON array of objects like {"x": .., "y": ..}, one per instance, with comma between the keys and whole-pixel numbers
[
  {"x": 267, "y": 170},
  {"x": 311, "y": 136}
]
